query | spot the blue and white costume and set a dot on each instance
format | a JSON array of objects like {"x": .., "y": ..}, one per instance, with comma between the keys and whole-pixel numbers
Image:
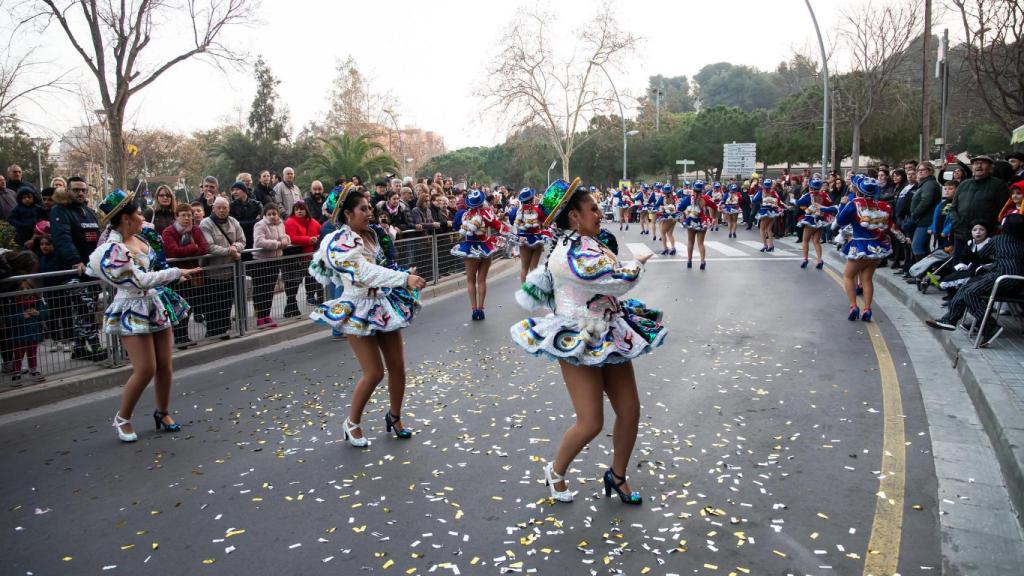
[
  {"x": 816, "y": 207},
  {"x": 694, "y": 208},
  {"x": 667, "y": 208},
  {"x": 621, "y": 198},
  {"x": 374, "y": 296},
  {"x": 771, "y": 204},
  {"x": 869, "y": 222},
  {"x": 731, "y": 200},
  {"x": 528, "y": 220},
  {"x": 143, "y": 304},
  {"x": 589, "y": 325}
]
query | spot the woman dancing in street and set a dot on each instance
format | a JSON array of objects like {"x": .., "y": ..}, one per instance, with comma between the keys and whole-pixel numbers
[
  {"x": 731, "y": 208},
  {"x": 869, "y": 242},
  {"x": 477, "y": 247},
  {"x": 771, "y": 208},
  {"x": 667, "y": 209},
  {"x": 143, "y": 309},
  {"x": 622, "y": 203},
  {"x": 591, "y": 333},
  {"x": 377, "y": 301},
  {"x": 717, "y": 198},
  {"x": 818, "y": 213},
  {"x": 696, "y": 208},
  {"x": 643, "y": 200},
  {"x": 528, "y": 221}
]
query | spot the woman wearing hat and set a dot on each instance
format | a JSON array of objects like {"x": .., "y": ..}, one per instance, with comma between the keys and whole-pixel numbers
[
  {"x": 377, "y": 301},
  {"x": 143, "y": 309},
  {"x": 869, "y": 221},
  {"x": 732, "y": 201},
  {"x": 696, "y": 208},
  {"x": 666, "y": 208},
  {"x": 591, "y": 333},
  {"x": 817, "y": 214},
  {"x": 770, "y": 209},
  {"x": 622, "y": 202},
  {"x": 475, "y": 223},
  {"x": 528, "y": 220}
]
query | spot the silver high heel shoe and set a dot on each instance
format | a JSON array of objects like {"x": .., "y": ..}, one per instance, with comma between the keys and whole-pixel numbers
[
  {"x": 118, "y": 423},
  {"x": 348, "y": 428},
  {"x": 550, "y": 478}
]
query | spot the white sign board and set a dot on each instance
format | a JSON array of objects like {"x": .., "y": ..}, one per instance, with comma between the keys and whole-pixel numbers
[{"x": 739, "y": 158}]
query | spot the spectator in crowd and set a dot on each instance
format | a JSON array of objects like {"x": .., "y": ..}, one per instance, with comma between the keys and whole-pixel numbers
[
  {"x": 922, "y": 208},
  {"x": 270, "y": 242},
  {"x": 264, "y": 190},
  {"x": 979, "y": 198},
  {"x": 395, "y": 185},
  {"x": 183, "y": 239},
  {"x": 315, "y": 201},
  {"x": 8, "y": 198},
  {"x": 15, "y": 183},
  {"x": 60, "y": 324},
  {"x": 24, "y": 315},
  {"x": 941, "y": 225},
  {"x": 245, "y": 210},
  {"x": 211, "y": 191},
  {"x": 304, "y": 235},
  {"x": 902, "y": 253},
  {"x": 73, "y": 225},
  {"x": 422, "y": 218},
  {"x": 24, "y": 216},
  {"x": 957, "y": 173},
  {"x": 47, "y": 195},
  {"x": 225, "y": 241},
  {"x": 197, "y": 211},
  {"x": 245, "y": 178},
  {"x": 1015, "y": 205},
  {"x": 286, "y": 192},
  {"x": 380, "y": 193},
  {"x": 164, "y": 210},
  {"x": 439, "y": 211},
  {"x": 1016, "y": 160},
  {"x": 397, "y": 213},
  {"x": 888, "y": 193},
  {"x": 58, "y": 182}
]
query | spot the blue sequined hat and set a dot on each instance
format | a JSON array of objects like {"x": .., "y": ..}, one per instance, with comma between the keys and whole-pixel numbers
[
  {"x": 815, "y": 183},
  {"x": 527, "y": 194},
  {"x": 556, "y": 197},
  {"x": 767, "y": 183},
  {"x": 733, "y": 188},
  {"x": 335, "y": 199},
  {"x": 717, "y": 185},
  {"x": 698, "y": 186},
  {"x": 113, "y": 204},
  {"x": 867, "y": 186},
  {"x": 666, "y": 188},
  {"x": 475, "y": 199}
]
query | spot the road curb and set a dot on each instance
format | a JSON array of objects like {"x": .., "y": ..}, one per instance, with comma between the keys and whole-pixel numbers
[
  {"x": 71, "y": 386},
  {"x": 991, "y": 400}
]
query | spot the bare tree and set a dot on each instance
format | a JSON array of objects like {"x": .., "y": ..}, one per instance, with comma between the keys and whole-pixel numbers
[
  {"x": 22, "y": 74},
  {"x": 876, "y": 39},
  {"x": 529, "y": 84},
  {"x": 994, "y": 42},
  {"x": 357, "y": 108},
  {"x": 112, "y": 37}
]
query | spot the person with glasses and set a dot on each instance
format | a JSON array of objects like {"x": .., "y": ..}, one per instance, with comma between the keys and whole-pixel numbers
[
  {"x": 163, "y": 212},
  {"x": 922, "y": 208}
]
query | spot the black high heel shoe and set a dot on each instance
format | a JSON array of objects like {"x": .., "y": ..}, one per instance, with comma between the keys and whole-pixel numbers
[
  {"x": 159, "y": 417},
  {"x": 610, "y": 484},
  {"x": 389, "y": 423}
]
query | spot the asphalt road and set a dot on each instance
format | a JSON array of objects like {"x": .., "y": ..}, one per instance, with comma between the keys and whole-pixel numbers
[{"x": 759, "y": 452}]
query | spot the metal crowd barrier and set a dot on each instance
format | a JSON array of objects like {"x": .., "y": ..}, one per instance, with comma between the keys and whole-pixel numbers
[{"x": 227, "y": 300}]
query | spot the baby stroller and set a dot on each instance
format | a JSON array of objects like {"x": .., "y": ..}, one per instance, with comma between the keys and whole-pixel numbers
[{"x": 929, "y": 269}]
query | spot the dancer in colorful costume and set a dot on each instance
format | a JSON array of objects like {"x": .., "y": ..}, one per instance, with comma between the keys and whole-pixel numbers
[
  {"x": 592, "y": 334},
  {"x": 698, "y": 211},
  {"x": 667, "y": 208},
  {"x": 870, "y": 222},
  {"x": 143, "y": 309},
  {"x": 481, "y": 232},
  {"x": 622, "y": 201},
  {"x": 771, "y": 208},
  {"x": 731, "y": 208},
  {"x": 818, "y": 214},
  {"x": 528, "y": 221},
  {"x": 378, "y": 299},
  {"x": 643, "y": 200}
]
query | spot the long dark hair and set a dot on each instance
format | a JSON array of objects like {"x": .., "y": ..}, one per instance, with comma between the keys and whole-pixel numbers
[
  {"x": 351, "y": 201},
  {"x": 562, "y": 221},
  {"x": 130, "y": 207}
]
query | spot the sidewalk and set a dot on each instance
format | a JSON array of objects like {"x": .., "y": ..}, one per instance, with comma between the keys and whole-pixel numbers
[
  {"x": 993, "y": 377},
  {"x": 94, "y": 378}
]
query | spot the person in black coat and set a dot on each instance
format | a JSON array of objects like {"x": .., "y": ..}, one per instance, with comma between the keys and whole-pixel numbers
[
  {"x": 246, "y": 210},
  {"x": 24, "y": 216},
  {"x": 263, "y": 192}
]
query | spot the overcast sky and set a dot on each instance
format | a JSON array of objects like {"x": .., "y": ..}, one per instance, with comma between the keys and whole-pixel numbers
[{"x": 432, "y": 55}]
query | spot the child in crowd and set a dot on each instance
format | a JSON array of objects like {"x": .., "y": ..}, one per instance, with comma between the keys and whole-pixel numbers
[
  {"x": 942, "y": 225},
  {"x": 24, "y": 314},
  {"x": 24, "y": 216}
]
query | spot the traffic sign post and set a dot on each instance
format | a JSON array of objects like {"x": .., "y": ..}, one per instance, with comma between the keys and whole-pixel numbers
[
  {"x": 739, "y": 158},
  {"x": 684, "y": 164}
]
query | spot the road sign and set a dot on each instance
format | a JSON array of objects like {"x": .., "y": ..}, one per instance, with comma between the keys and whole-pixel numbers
[
  {"x": 739, "y": 158},
  {"x": 685, "y": 164}
]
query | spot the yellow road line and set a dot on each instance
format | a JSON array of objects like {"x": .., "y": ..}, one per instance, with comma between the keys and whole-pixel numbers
[{"x": 883, "y": 554}]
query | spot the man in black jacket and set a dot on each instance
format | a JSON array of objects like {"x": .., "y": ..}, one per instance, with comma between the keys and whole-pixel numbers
[
  {"x": 315, "y": 201},
  {"x": 922, "y": 208},
  {"x": 244, "y": 209},
  {"x": 980, "y": 197}
]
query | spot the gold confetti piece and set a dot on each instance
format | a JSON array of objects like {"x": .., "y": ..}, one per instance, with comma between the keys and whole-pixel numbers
[
  {"x": 410, "y": 571},
  {"x": 820, "y": 515},
  {"x": 814, "y": 535},
  {"x": 155, "y": 545},
  {"x": 127, "y": 546},
  {"x": 209, "y": 561},
  {"x": 359, "y": 529},
  {"x": 917, "y": 507},
  {"x": 231, "y": 533},
  {"x": 474, "y": 561},
  {"x": 777, "y": 553},
  {"x": 710, "y": 566},
  {"x": 388, "y": 564},
  {"x": 67, "y": 558},
  {"x": 331, "y": 529},
  {"x": 154, "y": 512},
  {"x": 496, "y": 498},
  {"x": 645, "y": 570},
  {"x": 458, "y": 514},
  {"x": 744, "y": 570}
]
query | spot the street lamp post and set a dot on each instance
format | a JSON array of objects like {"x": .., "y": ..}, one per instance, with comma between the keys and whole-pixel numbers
[
  {"x": 625, "y": 136},
  {"x": 622, "y": 115},
  {"x": 38, "y": 143},
  {"x": 824, "y": 92},
  {"x": 550, "y": 168}
]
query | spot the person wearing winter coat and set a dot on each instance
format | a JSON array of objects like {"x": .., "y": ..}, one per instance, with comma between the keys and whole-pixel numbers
[
  {"x": 270, "y": 240},
  {"x": 184, "y": 239},
  {"x": 225, "y": 241},
  {"x": 304, "y": 233},
  {"x": 244, "y": 209},
  {"x": 24, "y": 216}
]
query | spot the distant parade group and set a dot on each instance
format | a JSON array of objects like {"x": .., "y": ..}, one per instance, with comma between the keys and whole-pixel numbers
[{"x": 591, "y": 328}]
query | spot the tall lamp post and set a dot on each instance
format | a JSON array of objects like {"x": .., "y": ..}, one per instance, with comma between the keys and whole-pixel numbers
[
  {"x": 622, "y": 115},
  {"x": 550, "y": 168},
  {"x": 38, "y": 143},
  {"x": 824, "y": 92},
  {"x": 625, "y": 137}
]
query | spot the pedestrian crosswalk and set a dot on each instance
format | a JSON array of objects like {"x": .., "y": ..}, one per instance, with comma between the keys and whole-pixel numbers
[{"x": 725, "y": 250}]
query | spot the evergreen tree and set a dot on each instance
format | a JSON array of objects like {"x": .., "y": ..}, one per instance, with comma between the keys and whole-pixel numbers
[{"x": 267, "y": 125}]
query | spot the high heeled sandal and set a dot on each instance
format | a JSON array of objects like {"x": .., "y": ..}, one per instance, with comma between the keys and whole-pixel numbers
[
  {"x": 347, "y": 428},
  {"x": 551, "y": 478},
  {"x": 159, "y": 417},
  {"x": 121, "y": 434},
  {"x": 610, "y": 484},
  {"x": 389, "y": 423}
]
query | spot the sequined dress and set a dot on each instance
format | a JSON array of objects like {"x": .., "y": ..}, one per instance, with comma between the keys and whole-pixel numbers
[
  {"x": 817, "y": 210},
  {"x": 480, "y": 234},
  {"x": 589, "y": 325},
  {"x": 374, "y": 296},
  {"x": 869, "y": 223},
  {"x": 143, "y": 304},
  {"x": 529, "y": 225},
  {"x": 694, "y": 209}
]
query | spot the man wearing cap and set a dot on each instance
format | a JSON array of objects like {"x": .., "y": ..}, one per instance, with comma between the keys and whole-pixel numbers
[
  {"x": 1016, "y": 160},
  {"x": 977, "y": 198},
  {"x": 286, "y": 192},
  {"x": 245, "y": 209}
]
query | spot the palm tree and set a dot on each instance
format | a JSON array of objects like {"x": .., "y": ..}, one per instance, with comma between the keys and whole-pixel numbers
[{"x": 343, "y": 155}]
